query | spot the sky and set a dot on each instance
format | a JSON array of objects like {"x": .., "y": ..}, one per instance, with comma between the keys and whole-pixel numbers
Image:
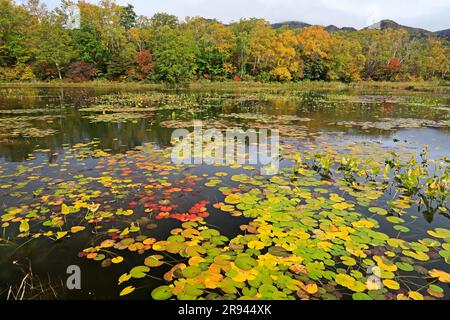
[{"x": 432, "y": 15}]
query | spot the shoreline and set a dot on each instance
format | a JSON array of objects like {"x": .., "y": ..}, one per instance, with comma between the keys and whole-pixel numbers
[{"x": 429, "y": 86}]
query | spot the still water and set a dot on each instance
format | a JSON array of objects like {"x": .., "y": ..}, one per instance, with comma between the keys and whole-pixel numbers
[{"x": 52, "y": 142}]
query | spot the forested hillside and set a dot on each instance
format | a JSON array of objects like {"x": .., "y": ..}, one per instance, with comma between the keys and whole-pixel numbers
[{"x": 114, "y": 43}]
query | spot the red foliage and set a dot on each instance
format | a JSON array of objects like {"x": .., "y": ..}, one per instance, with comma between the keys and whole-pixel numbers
[
  {"x": 165, "y": 208},
  {"x": 45, "y": 70},
  {"x": 145, "y": 63},
  {"x": 394, "y": 66},
  {"x": 388, "y": 107},
  {"x": 237, "y": 78},
  {"x": 130, "y": 72},
  {"x": 80, "y": 71},
  {"x": 133, "y": 204},
  {"x": 196, "y": 211}
]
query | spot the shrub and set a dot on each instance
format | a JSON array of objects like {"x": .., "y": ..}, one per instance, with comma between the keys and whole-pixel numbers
[
  {"x": 20, "y": 72},
  {"x": 80, "y": 71},
  {"x": 144, "y": 63}
]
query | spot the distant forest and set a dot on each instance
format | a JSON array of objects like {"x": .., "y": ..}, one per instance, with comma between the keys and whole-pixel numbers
[{"x": 114, "y": 43}]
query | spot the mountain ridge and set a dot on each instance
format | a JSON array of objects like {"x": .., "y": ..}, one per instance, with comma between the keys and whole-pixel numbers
[{"x": 381, "y": 25}]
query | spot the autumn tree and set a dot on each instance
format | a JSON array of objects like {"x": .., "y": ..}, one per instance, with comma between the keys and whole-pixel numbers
[
  {"x": 144, "y": 63},
  {"x": 114, "y": 42},
  {"x": 314, "y": 47},
  {"x": 437, "y": 60},
  {"x": 286, "y": 63},
  {"x": 80, "y": 71},
  {"x": 223, "y": 41},
  {"x": 105, "y": 22},
  {"x": 90, "y": 48},
  {"x": 261, "y": 45},
  {"x": 16, "y": 55},
  {"x": 141, "y": 34},
  {"x": 346, "y": 61},
  {"x": 380, "y": 47}
]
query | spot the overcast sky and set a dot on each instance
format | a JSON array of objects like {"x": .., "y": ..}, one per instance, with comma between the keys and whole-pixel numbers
[{"x": 428, "y": 14}]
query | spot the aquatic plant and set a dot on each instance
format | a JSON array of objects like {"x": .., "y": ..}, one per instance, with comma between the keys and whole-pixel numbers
[{"x": 316, "y": 230}]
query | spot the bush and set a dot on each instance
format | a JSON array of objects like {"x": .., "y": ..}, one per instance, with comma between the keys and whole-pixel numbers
[
  {"x": 19, "y": 72},
  {"x": 80, "y": 71},
  {"x": 45, "y": 70},
  {"x": 281, "y": 74},
  {"x": 144, "y": 63}
]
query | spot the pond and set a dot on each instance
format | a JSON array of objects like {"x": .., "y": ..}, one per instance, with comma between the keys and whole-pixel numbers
[{"x": 359, "y": 208}]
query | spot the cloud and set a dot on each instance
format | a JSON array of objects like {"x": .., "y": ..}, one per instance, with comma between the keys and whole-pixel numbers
[{"x": 432, "y": 15}]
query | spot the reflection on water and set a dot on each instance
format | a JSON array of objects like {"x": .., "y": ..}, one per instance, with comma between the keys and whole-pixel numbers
[{"x": 323, "y": 108}]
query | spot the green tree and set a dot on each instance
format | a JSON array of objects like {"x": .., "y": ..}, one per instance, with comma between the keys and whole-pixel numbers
[
  {"x": 56, "y": 46},
  {"x": 242, "y": 50},
  {"x": 13, "y": 34},
  {"x": 175, "y": 53},
  {"x": 213, "y": 40},
  {"x": 163, "y": 20},
  {"x": 89, "y": 46},
  {"x": 127, "y": 17}
]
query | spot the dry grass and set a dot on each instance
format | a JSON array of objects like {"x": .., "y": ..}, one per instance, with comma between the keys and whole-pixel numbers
[
  {"x": 425, "y": 86},
  {"x": 33, "y": 288}
]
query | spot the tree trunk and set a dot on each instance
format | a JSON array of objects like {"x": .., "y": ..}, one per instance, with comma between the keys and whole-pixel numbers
[{"x": 59, "y": 70}]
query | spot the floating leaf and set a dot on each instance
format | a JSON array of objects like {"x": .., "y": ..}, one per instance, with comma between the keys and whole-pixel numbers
[
  {"x": 391, "y": 284},
  {"x": 404, "y": 266},
  {"x": 361, "y": 296},
  {"x": 415, "y": 295},
  {"x": 127, "y": 290},
  {"x": 378, "y": 210},
  {"x": 77, "y": 229},
  {"x": 254, "y": 244},
  {"x": 191, "y": 271},
  {"x": 311, "y": 288},
  {"x": 61, "y": 234},
  {"x": 24, "y": 226},
  {"x": 233, "y": 199},
  {"x": 117, "y": 260},
  {"x": 395, "y": 219},
  {"x": 348, "y": 261},
  {"x": 162, "y": 293},
  {"x": 441, "y": 275},
  {"x": 279, "y": 252},
  {"x": 139, "y": 272},
  {"x": 154, "y": 261},
  {"x": 439, "y": 233},
  {"x": 65, "y": 209},
  {"x": 245, "y": 262}
]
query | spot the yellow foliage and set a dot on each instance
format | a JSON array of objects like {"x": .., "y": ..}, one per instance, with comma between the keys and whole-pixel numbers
[{"x": 315, "y": 42}]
